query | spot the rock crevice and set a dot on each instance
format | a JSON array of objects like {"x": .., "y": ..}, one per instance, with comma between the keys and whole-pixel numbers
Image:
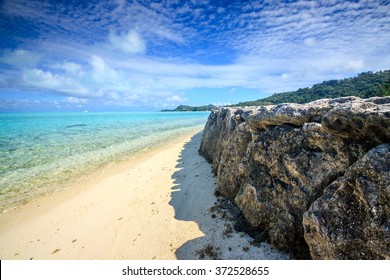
[{"x": 288, "y": 166}]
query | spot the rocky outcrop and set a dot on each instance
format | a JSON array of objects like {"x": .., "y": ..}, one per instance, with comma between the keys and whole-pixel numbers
[
  {"x": 281, "y": 163},
  {"x": 351, "y": 220}
]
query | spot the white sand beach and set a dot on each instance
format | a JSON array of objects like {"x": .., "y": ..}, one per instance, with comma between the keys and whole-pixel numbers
[{"x": 156, "y": 206}]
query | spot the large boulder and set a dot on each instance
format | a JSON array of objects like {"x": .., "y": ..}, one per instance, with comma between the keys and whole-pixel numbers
[
  {"x": 287, "y": 169},
  {"x": 276, "y": 161}
]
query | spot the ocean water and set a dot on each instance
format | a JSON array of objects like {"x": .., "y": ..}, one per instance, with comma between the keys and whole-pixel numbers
[{"x": 42, "y": 152}]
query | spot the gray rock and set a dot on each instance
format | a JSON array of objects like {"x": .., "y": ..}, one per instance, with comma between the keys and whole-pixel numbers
[
  {"x": 359, "y": 121},
  {"x": 221, "y": 123},
  {"x": 231, "y": 171},
  {"x": 293, "y": 114},
  {"x": 287, "y": 169},
  {"x": 275, "y": 161},
  {"x": 351, "y": 220}
]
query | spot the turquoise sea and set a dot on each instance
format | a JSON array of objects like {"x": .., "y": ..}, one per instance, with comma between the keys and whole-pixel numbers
[{"x": 42, "y": 152}]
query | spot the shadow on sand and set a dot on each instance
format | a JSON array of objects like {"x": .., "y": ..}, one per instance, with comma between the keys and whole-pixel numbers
[
  {"x": 192, "y": 196},
  {"x": 193, "y": 199}
]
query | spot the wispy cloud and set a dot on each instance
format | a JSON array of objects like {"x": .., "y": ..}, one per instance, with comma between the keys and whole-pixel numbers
[
  {"x": 131, "y": 42},
  {"x": 134, "y": 54},
  {"x": 20, "y": 58}
]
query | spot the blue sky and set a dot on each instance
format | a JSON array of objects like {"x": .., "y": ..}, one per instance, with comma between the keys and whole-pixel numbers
[{"x": 147, "y": 55}]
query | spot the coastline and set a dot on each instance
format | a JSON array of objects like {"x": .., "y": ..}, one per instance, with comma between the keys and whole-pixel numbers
[
  {"x": 155, "y": 206},
  {"x": 38, "y": 162}
]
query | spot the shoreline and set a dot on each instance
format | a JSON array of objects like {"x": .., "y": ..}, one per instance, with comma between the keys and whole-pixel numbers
[
  {"x": 156, "y": 206},
  {"x": 90, "y": 176}
]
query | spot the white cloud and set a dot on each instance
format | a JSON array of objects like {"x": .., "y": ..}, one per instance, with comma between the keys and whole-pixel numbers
[
  {"x": 220, "y": 10},
  {"x": 131, "y": 43},
  {"x": 355, "y": 65},
  {"x": 38, "y": 78},
  {"x": 310, "y": 42},
  {"x": 176, "y": 98},
  {"x": 45, "y": 80},
  {"x": 285, "y": 76},
  {"x": 101, "y": 72},
  {"x": 76, "y": 100},
  {"x": 3, "y": 82},
  {"x": 168, "y": 34},
  {"x": 20, "y": 58},
  {"x": 161, "y": 50},
  {"x": 70, "y": 68},
  {"x": 139, "y": 79}
]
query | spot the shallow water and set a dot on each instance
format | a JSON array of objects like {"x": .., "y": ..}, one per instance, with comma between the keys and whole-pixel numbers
[{"x": 39, "y": 153}]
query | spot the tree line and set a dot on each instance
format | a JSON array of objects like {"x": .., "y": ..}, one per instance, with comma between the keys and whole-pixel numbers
[{"x": 364, "y": 85}]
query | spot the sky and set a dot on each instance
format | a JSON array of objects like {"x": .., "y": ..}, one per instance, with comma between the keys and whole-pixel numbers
[{"x": 124, "y": 55}]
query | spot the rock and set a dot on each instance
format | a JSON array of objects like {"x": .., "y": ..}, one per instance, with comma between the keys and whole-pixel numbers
[
  {"x": 275, "y": 161},
  {"x": 230, "y": 169},
  {"x": 359, "y": 121},
  {"x": 221, "y": 123},
  {"x": 290, "y": 113},
  {"x": 287, "y": 168},
  {"x": 351, "y": 220}
]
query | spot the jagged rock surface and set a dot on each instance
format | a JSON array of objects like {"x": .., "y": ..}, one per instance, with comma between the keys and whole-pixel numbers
[
  {"x": 275, "y": 161},
  {"x": 351, "y": 220},
  {"x": 217, "y": 133}
]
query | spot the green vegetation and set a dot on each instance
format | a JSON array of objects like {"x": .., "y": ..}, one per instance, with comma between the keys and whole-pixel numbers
[
  {"x": 365, "y": 85},
  {"x": 186, "y": 108}
]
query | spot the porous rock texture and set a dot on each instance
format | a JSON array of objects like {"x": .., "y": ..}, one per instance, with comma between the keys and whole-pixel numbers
[{"x": 296, "y": 170}]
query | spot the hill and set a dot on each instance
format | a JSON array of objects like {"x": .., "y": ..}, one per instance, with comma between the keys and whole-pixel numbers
[
  {"x": 186, "y": 108},
  {"x": 365, "y": 85}
]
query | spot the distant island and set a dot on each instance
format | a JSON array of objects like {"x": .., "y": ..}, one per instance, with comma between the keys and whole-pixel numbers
[{"x": 186, "y": 108}]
